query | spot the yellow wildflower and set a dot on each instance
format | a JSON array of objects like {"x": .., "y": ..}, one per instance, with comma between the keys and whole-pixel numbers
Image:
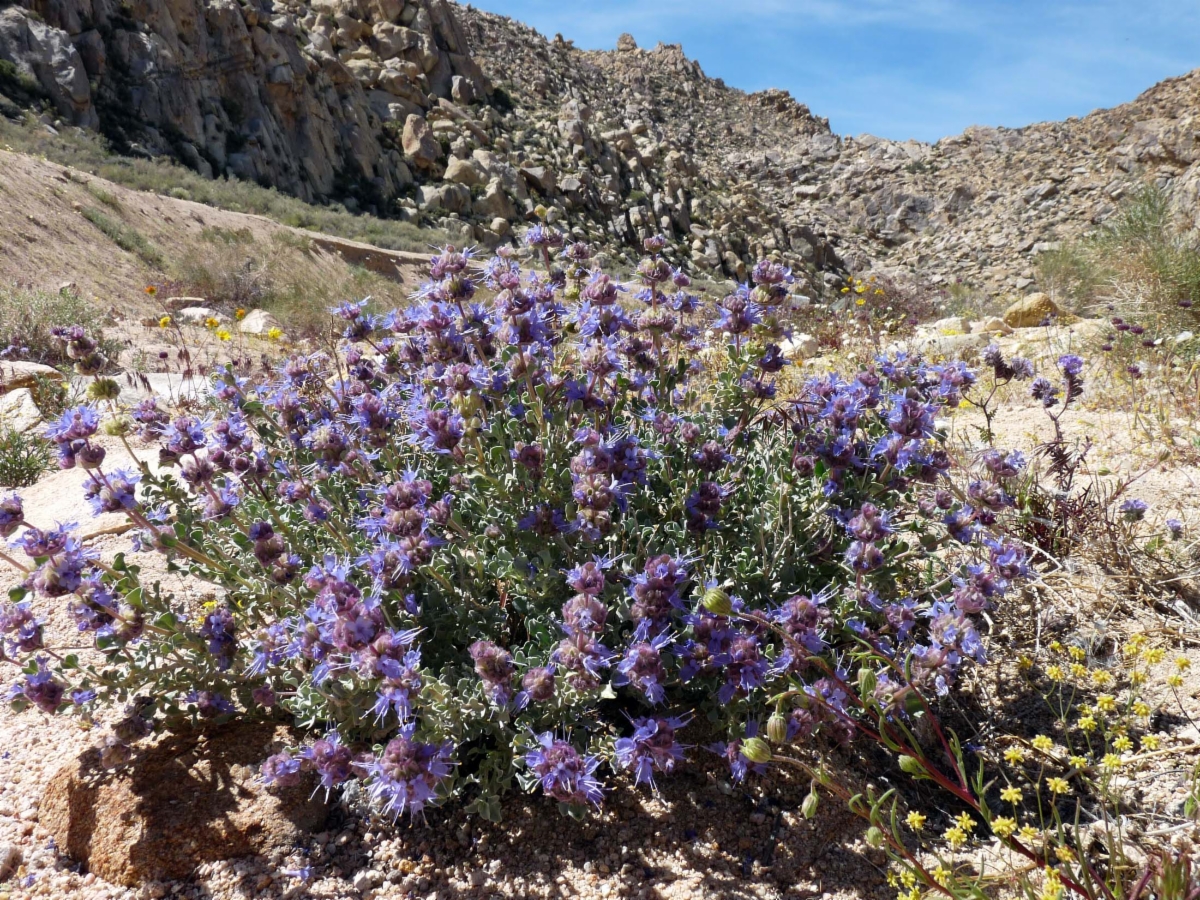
[
  {"x": 955, "y": 836},
  {"x": 1042, "y": 743},
  {"x": 1182, "y": 663},
  {"x": 1175, "y": 680},
  {"x": 1150, "y": 742},
  {"x": 908, "y": 878},
  {"x": 275, "y": 333},
  {"x": 239, "y": 314},
  {"x": 211, "y": 322},
  {"x": 1079, "y": 670},
  {"x": 1123, "y": 743},
  {"x": 914, "y": 820},
  {"x": 164, "y": 322},
  {"x": 1055, "y": 673},
  {"x": 1141, "y": 708},
  {"x": 1106, "y": 703},
  {"x": 1028, "y": 833},
  {"x": 223, "y": 334},
  {"x": 941, "y": 874},
  {"x": 1077, "y": 762},
  {"x": 1111, "y": 762},
  {"x": 1024, "y": 662},
  {"x": 1077, "y": 654},
  {"x": 1011, "y": 794},
  {"x": 1101, "y": 677},
  {"x": 1004, "y": 826},
  {"x": 1138, "y": 677},
  {"x": 879, "y": 291},
  {"x": 1058, "y": 785},
  {"x": 1014, "y": 755},
  {"x": 1056, "y": 646},
  {"x": 1064, "y": 854},
  {"x": 1087, "y": 723},
  {"x": 965, "y": 822},
  {"x": 1155, "y": 655}
]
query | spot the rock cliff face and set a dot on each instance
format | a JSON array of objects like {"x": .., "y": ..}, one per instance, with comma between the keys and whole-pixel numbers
[{"x": 435, "y": 112}]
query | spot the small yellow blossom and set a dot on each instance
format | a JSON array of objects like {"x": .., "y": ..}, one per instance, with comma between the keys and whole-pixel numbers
[
  {"x": 941, "y": 874},
  {"x": 223, "y": 334},
  {"x": 879, "y": 292},
  {"x": 1175, "y": 680},
  {"x": 955, "y": 836},
  {"x": 859, "y": 302},
  {"x": 1138, "y": 677},
  {"x": 211, "y": 322},
  {"x": 1014, "y": 755},
  {"x": 1024, "y": 662},
  {"x": 1150, "y": 742},
  {"x": 1052, "y": 888},
  {"x": 1123, "y": 743},
  {"x": 239, "y": 314},
  {"x": 1106, "y": 703},
  {"x": 275, "y": 333},
  {"x": 965, "y": 822},
  {"x": 1058, "y": 785},
  {"x": 1004, "y": 826},
  {"x": 1101, "y": 677},
  {"x": 1079, "y": 670},
  {"x": 1042, "y": 743},
  {"x": 915, "y": 820},
  {"x": 1028, "y": 833},
  {"x": 1141, "y": 708},
  {"x": 1077, "y": 762},
  {"x": 1011, "y": 794},
  {"x": 1155, "y": 655},
  {"x": 1077, "y": 654},
  {"x": 164, "y": 322},
  {"x": 1064, "y": 854},
  {"x": 1087, "y": 723},
  {"x": 1182, "y": 663},
  {"x": 1055, "y": 673},
  {"x": 908, "y": 878},
  {"x": 151, "y": 290},
  {"x": 1056, "y": 646},
  {"x": 1111, "y": 762}
]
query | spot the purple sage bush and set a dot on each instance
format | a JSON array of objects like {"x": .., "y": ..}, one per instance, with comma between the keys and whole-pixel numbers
[{"x": 529, "y": 541}]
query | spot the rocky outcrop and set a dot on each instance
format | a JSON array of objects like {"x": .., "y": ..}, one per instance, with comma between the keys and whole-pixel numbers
[
  {"x": 451, "y": 116},
  {"x": 190, "y": 799}
]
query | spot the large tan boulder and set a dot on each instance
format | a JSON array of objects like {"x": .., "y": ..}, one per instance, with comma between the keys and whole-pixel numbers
[
  {"x": 190, "y": 799},
  {"x": 16, "y": 375},
  {"x": 1031, "y": 311},
  {"x": 18, "y": 411},
  {"x": 421, "y": 148},
  {"x": 461, "y": 171}
]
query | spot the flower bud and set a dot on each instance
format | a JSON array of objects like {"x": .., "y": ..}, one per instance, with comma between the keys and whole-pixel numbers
[
  {"x": 717, "y": 602},
  {"x": 756, "y": 750},
  {"x": 874, "y": 836},
  {"x": 910, "y": 765},
  {"x": 103, "y": 389},
  {"x": 808, "y": 808},
  {"x": 777, "y": 728}
]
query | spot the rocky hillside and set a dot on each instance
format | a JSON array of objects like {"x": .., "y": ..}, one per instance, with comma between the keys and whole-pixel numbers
[{"x": 437, "y": 113}]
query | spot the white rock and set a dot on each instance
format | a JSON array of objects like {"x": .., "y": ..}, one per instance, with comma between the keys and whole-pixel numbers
[
  {"x": 800, "y": 346},
  {"x": 18, "y": 411},
  {"x": 197, "y": 315},
  {"x": 258, "y": 321}
]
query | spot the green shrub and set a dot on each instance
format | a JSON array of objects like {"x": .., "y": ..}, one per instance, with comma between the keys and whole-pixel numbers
[
  {"x": 23, "y": 458},
  {"x": 27, "y": 318}
]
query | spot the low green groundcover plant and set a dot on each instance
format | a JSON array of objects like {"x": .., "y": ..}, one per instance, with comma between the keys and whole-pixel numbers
[{"x": 531, "y": 541}]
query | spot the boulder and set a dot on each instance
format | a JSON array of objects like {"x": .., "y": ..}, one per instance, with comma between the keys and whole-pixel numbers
[
  {"x": 800, "y": 346},
  {"x": 1031, "y": 311},
  {"x": 199, "y": 315},
  {"x": 18, "y": 412},
  {"x": 191, "y": 798},
  {"x": 16, "y": 375},
  {"x": 455, "y": 198},
  {"x": 991, "y": 325},
  {"x": 461, "y": 171},
  {"x": 950, "y": 325},
  {"x": 420, "y": 146},
  {"x": 539, "y": 177},
  {"x": 258, "y": 321}
]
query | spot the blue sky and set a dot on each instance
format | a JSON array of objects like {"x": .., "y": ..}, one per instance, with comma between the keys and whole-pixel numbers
[{"x": 906, "y": 68}]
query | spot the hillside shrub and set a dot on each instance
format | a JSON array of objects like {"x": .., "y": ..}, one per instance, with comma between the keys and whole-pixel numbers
[
  {"x": 527, "y": 542},
  {"x": 24, "y": 458},
  {"x": 28, "y": 319}
]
